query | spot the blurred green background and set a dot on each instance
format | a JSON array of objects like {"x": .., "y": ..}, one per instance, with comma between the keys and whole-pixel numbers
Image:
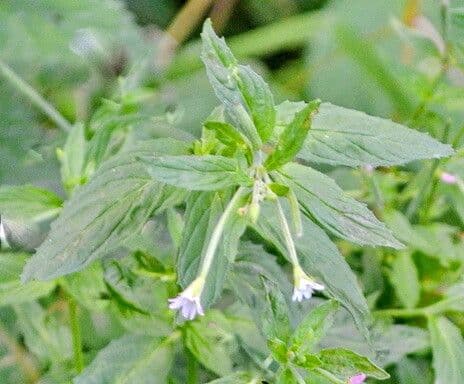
[{"x": 103, "y": 61}]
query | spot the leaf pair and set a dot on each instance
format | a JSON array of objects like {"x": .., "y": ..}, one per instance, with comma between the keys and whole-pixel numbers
[{"x": 247, "y": 99}]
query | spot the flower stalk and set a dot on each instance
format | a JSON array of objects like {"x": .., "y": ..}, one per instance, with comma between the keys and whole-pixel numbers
[
  {"x": 188, "y": 302},
  {"x": 304, "y": 285}
]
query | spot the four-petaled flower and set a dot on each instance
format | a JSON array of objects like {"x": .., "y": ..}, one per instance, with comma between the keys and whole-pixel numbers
[
  {"x": 358, "y": 379},
  {"x": 188, "y": 302},
  {"x": 304, "y": 286}
]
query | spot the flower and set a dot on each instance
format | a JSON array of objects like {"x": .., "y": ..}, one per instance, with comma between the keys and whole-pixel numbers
[
  {"x": 188, "y": 302},
  {"x": 357, "y": 379},
  {"x": 448, "y": 178},
  {"x": 304, "y": 286}
]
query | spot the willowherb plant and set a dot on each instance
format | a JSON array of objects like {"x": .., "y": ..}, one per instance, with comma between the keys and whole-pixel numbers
[{"x": 250, "y": 178}]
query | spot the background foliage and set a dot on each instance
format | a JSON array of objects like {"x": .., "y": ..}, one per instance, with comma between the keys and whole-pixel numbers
[{"x": 118, "y": 81}]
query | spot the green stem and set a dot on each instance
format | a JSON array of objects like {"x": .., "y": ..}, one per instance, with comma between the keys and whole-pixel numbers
[
  {"x": 34, "y": 97},
  {"x": 296, "y": 214},
  {"x": 76, "y": 335},
  {"x": 192, "y": 367},
  {"x": 440, "y": 307},
  {"x": 298, "y": 377},
  {"x": 287, "y": 235},
  {"x": 217, "y": 233},
  {"x": 402, "y": 313}
]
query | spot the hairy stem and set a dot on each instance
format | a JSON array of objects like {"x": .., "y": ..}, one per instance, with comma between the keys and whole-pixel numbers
[{"x": 34, "y": 97}]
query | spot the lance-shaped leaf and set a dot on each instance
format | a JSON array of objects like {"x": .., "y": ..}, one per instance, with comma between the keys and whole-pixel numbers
[
  {"x": 321, "y": 259},
  {"x": 341, "y": 136},
  {"x": 197, "y": 173},
  {"x": 345, "y": 217},
  {"x": 205, "y": 340},
  {"x": 313, "y": 327},
  {"x": 130, "y": 359},
  {"x": 12, "y": 291},
  {"x": 202, "y": 214},
  {"x": 227, "y": 134},
  {"x": 248, "y": 101},
  {"x": 344, "y": 364},
  {"x": 26, "y": 202},
  {"x": 292, "y": 137},
  {"x": 448, "y": 351},
  {"x": 104, "y": 214}
]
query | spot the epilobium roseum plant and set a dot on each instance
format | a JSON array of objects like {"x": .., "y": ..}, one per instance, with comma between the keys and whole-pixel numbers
[{"x": 250, "y": 189}]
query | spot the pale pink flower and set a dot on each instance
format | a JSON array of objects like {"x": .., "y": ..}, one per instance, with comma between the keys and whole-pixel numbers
[
  {"x": 448, "y": 178},
  {"x": 358, "y": 379}
]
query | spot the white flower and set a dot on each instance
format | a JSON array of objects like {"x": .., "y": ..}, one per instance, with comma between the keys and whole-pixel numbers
[
  {"x": 304, "y": 286},
  {"x": 188, "y": 302}
]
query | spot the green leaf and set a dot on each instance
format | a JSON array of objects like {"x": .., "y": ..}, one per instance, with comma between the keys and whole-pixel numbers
[
  {"x": 320, "y": 258},
  {"x": 275, "y": 319},
  {"x": 279, "y": 189},
  {"x": 87, "y": 287},
  {"x": 227, "y": 134},
  {"x": 341, "y": 136},
  {"x": 448, "y": 351},
  {"x": 202, "y": 213},
  {"x": 203, "y": 339},
  {"x": 411, "y": 371},
  {"x": 454, "y": 298},
  {"x": 405, "y": 279},
  {"x": 393, "y": 341},
  {"x": 436, "y": 240},
  {"x": 12, "y": 291},
  {"x": 313, "y": 327},
  {"x": 126, "y": 289},
  {"x": 26, "y": 202},
  {"x": 345, "y": 217},
  {"x": 292, "y": 138},
  {"x": 344, "y": 364},
  {"x": 259, "y": 100},
  {"x": 198, "y": 173},
  {"x": 72, "y": 158},
  {"x": 44, "y": 335},
  {"x": 247, "y": 99},
  {"x": 103, "y": 215},
  {"x": 285, "y": 376},
  {"x": 130, "y": 359},
  {"x": 254, "y": 264}
]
